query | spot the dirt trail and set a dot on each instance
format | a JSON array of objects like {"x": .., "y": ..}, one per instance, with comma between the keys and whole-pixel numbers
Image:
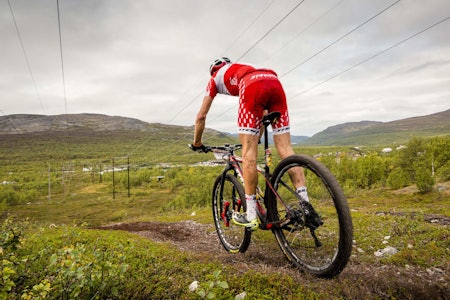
[{"x": 357, "y": 281}]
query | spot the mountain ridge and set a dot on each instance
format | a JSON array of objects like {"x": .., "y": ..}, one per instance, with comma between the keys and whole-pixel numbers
[
  {"x": 373, "y": 132},
  {"x": 350, "y": 133},
  {"x": 30, "y": 123}
]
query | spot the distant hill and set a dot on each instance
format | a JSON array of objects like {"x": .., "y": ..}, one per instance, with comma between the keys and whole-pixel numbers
[
  {"x": 99, "y": 137},
  {"x": 24, "y": 123},
  {"x": 29, "y": 124},
  {"x": 354, "y": 133},
  {"x": 382, "y": 133}
]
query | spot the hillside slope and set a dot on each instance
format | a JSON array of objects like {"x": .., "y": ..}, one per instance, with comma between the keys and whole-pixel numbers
[
  {"x": 376, "y": 133},
  {"x": 94, "y": 136},
  {"x": 36, "y": 124},
  {"x": 24, "y": 123}
]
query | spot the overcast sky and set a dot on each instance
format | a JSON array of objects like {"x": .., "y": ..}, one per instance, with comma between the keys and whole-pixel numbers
[{"x": 338, "y": 61}]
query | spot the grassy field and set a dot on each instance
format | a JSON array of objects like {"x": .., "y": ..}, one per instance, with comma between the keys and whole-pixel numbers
[
  {"x": 63, "y": 246},
  {"x": 415, "y": 225}
]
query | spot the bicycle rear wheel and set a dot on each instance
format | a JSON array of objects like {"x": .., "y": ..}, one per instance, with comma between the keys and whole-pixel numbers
[
  {"x": 229, "y": 196},
  {"x": 320, "y": 248}
]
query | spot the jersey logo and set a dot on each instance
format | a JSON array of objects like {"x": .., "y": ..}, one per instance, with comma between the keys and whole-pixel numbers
[{"x": 233, "y": 80}]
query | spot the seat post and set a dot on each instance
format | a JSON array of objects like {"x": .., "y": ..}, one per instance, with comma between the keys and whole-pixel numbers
[{"x": 267, "y": 153}]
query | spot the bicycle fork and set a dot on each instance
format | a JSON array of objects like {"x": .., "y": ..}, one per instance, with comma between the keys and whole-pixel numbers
[
  {"x": 227, "y": 213},
  {"x": 224, "y": 214}
]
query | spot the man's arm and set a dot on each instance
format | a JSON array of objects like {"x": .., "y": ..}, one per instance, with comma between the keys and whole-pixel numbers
[{"x": 200, "y": 121}]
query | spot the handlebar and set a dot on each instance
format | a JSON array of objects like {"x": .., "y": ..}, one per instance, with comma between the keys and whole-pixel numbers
[{"x": 206, "y": 149}]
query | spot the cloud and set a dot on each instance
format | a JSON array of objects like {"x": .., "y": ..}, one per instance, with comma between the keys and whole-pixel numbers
[{"x": 149, "y": 59}]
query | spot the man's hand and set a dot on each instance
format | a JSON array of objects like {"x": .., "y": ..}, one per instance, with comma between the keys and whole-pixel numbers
[{"x": 200, "y": 149}]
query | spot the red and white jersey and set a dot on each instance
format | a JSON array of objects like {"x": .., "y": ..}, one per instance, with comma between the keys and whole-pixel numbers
[
  {"x": 258, "y": 90},
  {"x": 226, "y": 80}
]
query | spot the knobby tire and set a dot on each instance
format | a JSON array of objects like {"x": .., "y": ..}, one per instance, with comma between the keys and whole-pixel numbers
[
  {"x": 234, "y": 238},
  {"x": 328, "y": 200}
]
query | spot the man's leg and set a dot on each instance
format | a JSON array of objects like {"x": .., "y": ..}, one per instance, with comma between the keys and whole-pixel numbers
[
  {"x": 250, "y": 174},
  {"x": 249, "y": 156},
  {"x": 284, "y": 148}
]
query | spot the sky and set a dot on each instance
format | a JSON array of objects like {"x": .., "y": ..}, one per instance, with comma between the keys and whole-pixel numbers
[{"x": 338, "y": 60}]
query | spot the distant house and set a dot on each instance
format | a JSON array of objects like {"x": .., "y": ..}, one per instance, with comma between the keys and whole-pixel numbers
[{"x": 387, "y": 150}]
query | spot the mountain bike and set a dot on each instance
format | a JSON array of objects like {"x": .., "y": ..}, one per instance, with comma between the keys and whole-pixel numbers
[{"x": 315, "y": 235}]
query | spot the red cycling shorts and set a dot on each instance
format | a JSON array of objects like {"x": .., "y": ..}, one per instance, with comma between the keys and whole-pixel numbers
[{"x": 259, "y": 91}]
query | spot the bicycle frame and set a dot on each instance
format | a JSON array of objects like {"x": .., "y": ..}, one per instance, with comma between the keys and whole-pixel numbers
[
  {"x": 233, "y": 164},
  {"x": 286, "y": 213}
]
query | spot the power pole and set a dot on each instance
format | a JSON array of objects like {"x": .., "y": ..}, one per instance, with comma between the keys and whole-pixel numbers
[
  {"x": 49, "y": 183},
  {"x": 128, "y": 169},
  {"x": 114, "y": 187}
]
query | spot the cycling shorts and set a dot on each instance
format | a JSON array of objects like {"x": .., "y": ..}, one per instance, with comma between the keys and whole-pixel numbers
[{"x": 259, "y": 91}]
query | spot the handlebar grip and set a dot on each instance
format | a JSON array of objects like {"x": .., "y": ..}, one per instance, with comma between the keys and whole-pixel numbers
[{"x": 200, "y": 149}]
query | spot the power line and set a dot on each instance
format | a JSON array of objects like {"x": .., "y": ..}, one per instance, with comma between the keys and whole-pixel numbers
[
  {"x": 200, "y": 93},
  {"x": 267, "y": 33},
  {"x": 341, "y": 38},
  {"x": 258, "y": 41},
  {"x": 25, "y": 55},
  {"x": 248, "y": 27},
  {"x": 186, "y": 106},
  {"x": 362, "y": 62},
  {"x": 278, "y": 23},
  {"x": 174, "y": 117},
  {"x": 62, "y": 60},
  {"x": 273, "y": 27},
  {"x": 193, "y": 100},
  {"x": 229, "y": 47},
  {"x": 270, "y": 30},
  {"x": 373, "y": 56},
  {"x": 307, "y": 27}
]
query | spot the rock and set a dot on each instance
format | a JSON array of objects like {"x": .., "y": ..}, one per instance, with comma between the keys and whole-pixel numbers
[
  {"x": 388, "y": 251},
  {"x": 193, "y": 286}
]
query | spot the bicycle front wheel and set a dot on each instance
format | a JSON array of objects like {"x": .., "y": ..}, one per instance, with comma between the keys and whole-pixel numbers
[
  {"x": 320, "y": 247},
  {"x": 229, "y": 196}
]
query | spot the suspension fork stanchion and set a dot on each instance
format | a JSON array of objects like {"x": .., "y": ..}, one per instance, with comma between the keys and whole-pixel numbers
[
  {"x": 222, "y": 180},
  {"x": 223, "y": 206}
]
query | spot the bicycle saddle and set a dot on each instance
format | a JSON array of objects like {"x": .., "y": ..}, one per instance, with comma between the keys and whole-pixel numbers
[{"x": 270, "y": 118}]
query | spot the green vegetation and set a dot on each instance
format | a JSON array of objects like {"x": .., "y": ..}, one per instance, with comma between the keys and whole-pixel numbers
[
  {"x": 420, "y": 162},
  {"x": 52, "y": 247}
]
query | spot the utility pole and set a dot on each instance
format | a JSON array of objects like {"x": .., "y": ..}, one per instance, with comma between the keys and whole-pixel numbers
[
  {"x": 49, "y": 183},
  {"x": 128, "y": 169},
  {"x": 100, "y": 171},
  {"x": 114, "y": 186}
]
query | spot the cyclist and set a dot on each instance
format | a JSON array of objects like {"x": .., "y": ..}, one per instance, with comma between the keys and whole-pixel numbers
[{"x": 259, "y": 90}]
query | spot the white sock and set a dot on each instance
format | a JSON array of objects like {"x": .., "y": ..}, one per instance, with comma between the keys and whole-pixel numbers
[
  {"x": 251, "y": 206},
  {"x": 303, "y": 193}
]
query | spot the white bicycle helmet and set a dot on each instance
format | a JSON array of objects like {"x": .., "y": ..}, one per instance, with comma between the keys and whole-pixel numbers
[{"x": 218, "y": 63}]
